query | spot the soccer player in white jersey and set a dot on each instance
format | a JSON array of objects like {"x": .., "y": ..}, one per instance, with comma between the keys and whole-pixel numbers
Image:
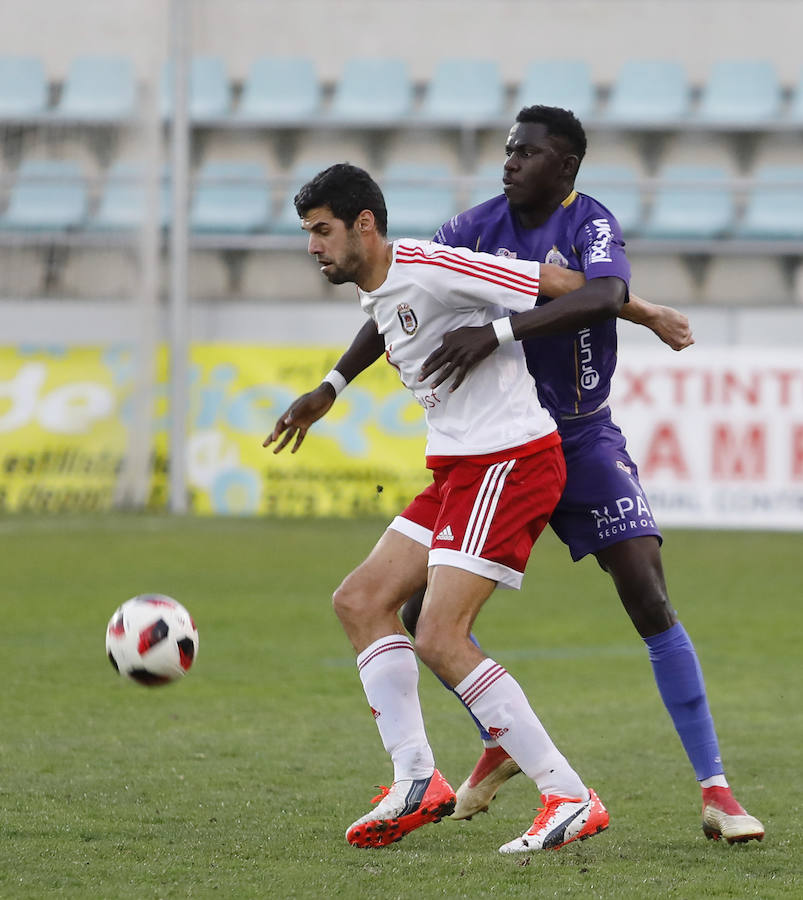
[{"x": 498, "y": 472}]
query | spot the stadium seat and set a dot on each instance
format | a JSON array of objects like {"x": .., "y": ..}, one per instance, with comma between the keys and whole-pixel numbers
[
  {"x": 208, "y": 89},
  {"x": 565, "y": 83},
  {"x": 419, "y": 199},
  {"x": 286, "y": 221},
  {"x": 774, "y": 206},
  {"x": 280, "y": 90},
  {"x": 372, "y": 91},
  {"x": 691, "y": 202},
  {"x": 486, "y": 183},
  {"x": 122, "y": 201},
  {"x": 464, "y": 91},
  {"x": 23, "y": 87},
  {"x": 740, "y": 92},
  {"x": 99, "y": 88},
  {"x": 617, "y": 188},
  {"x": 47, "y": 195},
  {"x": 231, "y": 197},
  {"x": 649, "y": 92}
]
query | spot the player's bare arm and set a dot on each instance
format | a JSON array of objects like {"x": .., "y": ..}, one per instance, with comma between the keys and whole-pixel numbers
[
  {"x": 368, "y": 345},
  {"x": 581, "y": 304},
  {"x": 671, "y": 326}
]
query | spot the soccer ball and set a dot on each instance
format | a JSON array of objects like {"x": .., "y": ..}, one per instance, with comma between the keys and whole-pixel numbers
[{"x": 152, "y": 639}]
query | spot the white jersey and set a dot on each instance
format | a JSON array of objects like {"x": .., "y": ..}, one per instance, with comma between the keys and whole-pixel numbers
[{"x": 431, "y": 289}]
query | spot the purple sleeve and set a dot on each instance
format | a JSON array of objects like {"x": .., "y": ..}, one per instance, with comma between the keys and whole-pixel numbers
[{"x": 602, "y": 248}]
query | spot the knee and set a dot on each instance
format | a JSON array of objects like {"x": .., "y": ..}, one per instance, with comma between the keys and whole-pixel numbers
[
  {"x": 349, "y": 602},
  {"x": 428, "y": 648}
]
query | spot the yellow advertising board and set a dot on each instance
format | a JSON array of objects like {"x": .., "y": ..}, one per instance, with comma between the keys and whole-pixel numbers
[{"x": 65, "y": 416}]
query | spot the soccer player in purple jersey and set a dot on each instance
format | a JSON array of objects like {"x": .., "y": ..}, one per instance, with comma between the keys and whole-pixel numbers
[{"x": 603, "y": 510}]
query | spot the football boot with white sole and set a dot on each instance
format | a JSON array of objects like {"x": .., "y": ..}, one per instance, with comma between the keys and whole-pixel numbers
[
  {"x": 723, "y": 817},
  {"x": 560, "y": 821},
  {"x": 403, "y": 807},
  {"x": 474, "y": 795}
]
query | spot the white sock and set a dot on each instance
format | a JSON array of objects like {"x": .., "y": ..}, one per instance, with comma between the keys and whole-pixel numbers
[
  {"x": 389, "y": 673},
  {"x": 714, "y": 781},
  {"x": 496, "y": 699}
]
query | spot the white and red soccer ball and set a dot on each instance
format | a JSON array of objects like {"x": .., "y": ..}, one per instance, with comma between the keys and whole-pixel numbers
[{"x": 152, "y": 639}]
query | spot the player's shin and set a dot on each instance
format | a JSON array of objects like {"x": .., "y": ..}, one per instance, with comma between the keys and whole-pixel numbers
[
  {"x": 496, "y": 699},
  {"x": 681, "y": 686},
  {"x": 389, "y": 673}
]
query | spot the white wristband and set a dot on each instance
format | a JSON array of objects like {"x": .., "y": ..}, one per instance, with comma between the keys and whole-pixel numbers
[
  {"x": 504, "y": 330},
  {"x": 337, "y": 381}
]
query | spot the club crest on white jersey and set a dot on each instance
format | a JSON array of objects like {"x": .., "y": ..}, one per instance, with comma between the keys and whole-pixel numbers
[{"x": 408, "y": 319}]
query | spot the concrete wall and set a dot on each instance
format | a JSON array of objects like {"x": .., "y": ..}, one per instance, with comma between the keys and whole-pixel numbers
[{"x": 604, "y": 32}]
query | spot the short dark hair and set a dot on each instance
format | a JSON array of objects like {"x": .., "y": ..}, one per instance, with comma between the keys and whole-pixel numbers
[
  {"x": 347, "y": 190},
  {"x": 558, "y": 122}
]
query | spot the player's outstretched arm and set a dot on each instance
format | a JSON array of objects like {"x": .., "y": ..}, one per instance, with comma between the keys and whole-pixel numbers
[
  {"x": 367, "y": 346},
  {"x": 671, "y": 326},
  {"x": 580, "y": 304}
]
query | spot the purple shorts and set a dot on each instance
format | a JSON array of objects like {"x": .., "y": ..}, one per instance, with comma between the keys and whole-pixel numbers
[{"x": 603, "y": 502}]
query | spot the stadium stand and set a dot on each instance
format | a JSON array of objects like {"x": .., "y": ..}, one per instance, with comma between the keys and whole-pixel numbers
[
  {"x": 774, "y": 207},
  {"x": 23, "y": 88},
  {"x": 47, "y": 195},
  {"x": 99, "y": 89},
  {"x": 419, "y": 198},
  {"x": 122, "y": 203},
  {"x": 691, "y": 202},
  {"x": 372, "y": 91},
  {"x": 691, "y": 169},
  {"x": 464, "y": 92},
  {"x": 231, "y": 197},
  {"x": 565, "y": 83},
  {"x": 280, "y": 91},
  {"x": 740, "y": 93},
  {"x": 648, "y": 93},
  {"x": 209, "y": 90},
  {"x": 617, "y": 188}
]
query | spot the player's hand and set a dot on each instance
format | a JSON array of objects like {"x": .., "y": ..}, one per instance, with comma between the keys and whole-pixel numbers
[
  {"x": 673, "y": 328},
  {"x": 459, "y": 352},
  {"x": 302, "y": 413}
]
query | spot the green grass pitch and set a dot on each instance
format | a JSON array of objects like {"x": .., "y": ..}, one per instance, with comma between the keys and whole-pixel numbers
[{"x": 240, "y": 781}]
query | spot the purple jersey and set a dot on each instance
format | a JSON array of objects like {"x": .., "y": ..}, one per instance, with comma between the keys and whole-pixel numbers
[{"x": 572, "y": 371}]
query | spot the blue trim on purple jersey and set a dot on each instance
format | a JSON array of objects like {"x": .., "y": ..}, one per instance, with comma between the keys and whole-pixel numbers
[{"x": 572, "y": 371}]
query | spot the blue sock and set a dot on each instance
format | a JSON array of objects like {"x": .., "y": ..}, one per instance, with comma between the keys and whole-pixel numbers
[
  {"x": 680, "y": 684},
  {"x": 483, "y": 733}
]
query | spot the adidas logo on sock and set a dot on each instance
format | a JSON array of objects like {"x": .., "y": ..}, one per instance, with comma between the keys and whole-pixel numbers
[{"x": 446, "y": 534}]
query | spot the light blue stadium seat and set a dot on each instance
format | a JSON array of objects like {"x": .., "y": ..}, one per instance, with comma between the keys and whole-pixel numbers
[
  {"x": 649, "y": 92},
  {"x": 287, "y": 221},
  {"x": 122, "y": 201},
  {"x": 774, "y": 206},
  {"x": 486, "y": 182},
  {"x": 566, "y": 83},
  {"x": 691, "y": 202},
  {"x": 419, "y": 198},
  {"x": 464, "y": 91},
  {"x": 617, "y": 188},
  {"x": 48, "y": 195},
  {"x": 23, "y": 87},
  {"x": 231, "y": 197},
  {"x": 99, "y": 88},
  {"x": 208, "y": 88},
  {"x": 280, "y": 90},
  {"x": 372, "y": 91},
  {"x": 740, "y": 92}
]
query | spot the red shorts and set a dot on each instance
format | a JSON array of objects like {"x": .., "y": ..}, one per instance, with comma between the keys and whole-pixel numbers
[{"x": 485, "y": 517}]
